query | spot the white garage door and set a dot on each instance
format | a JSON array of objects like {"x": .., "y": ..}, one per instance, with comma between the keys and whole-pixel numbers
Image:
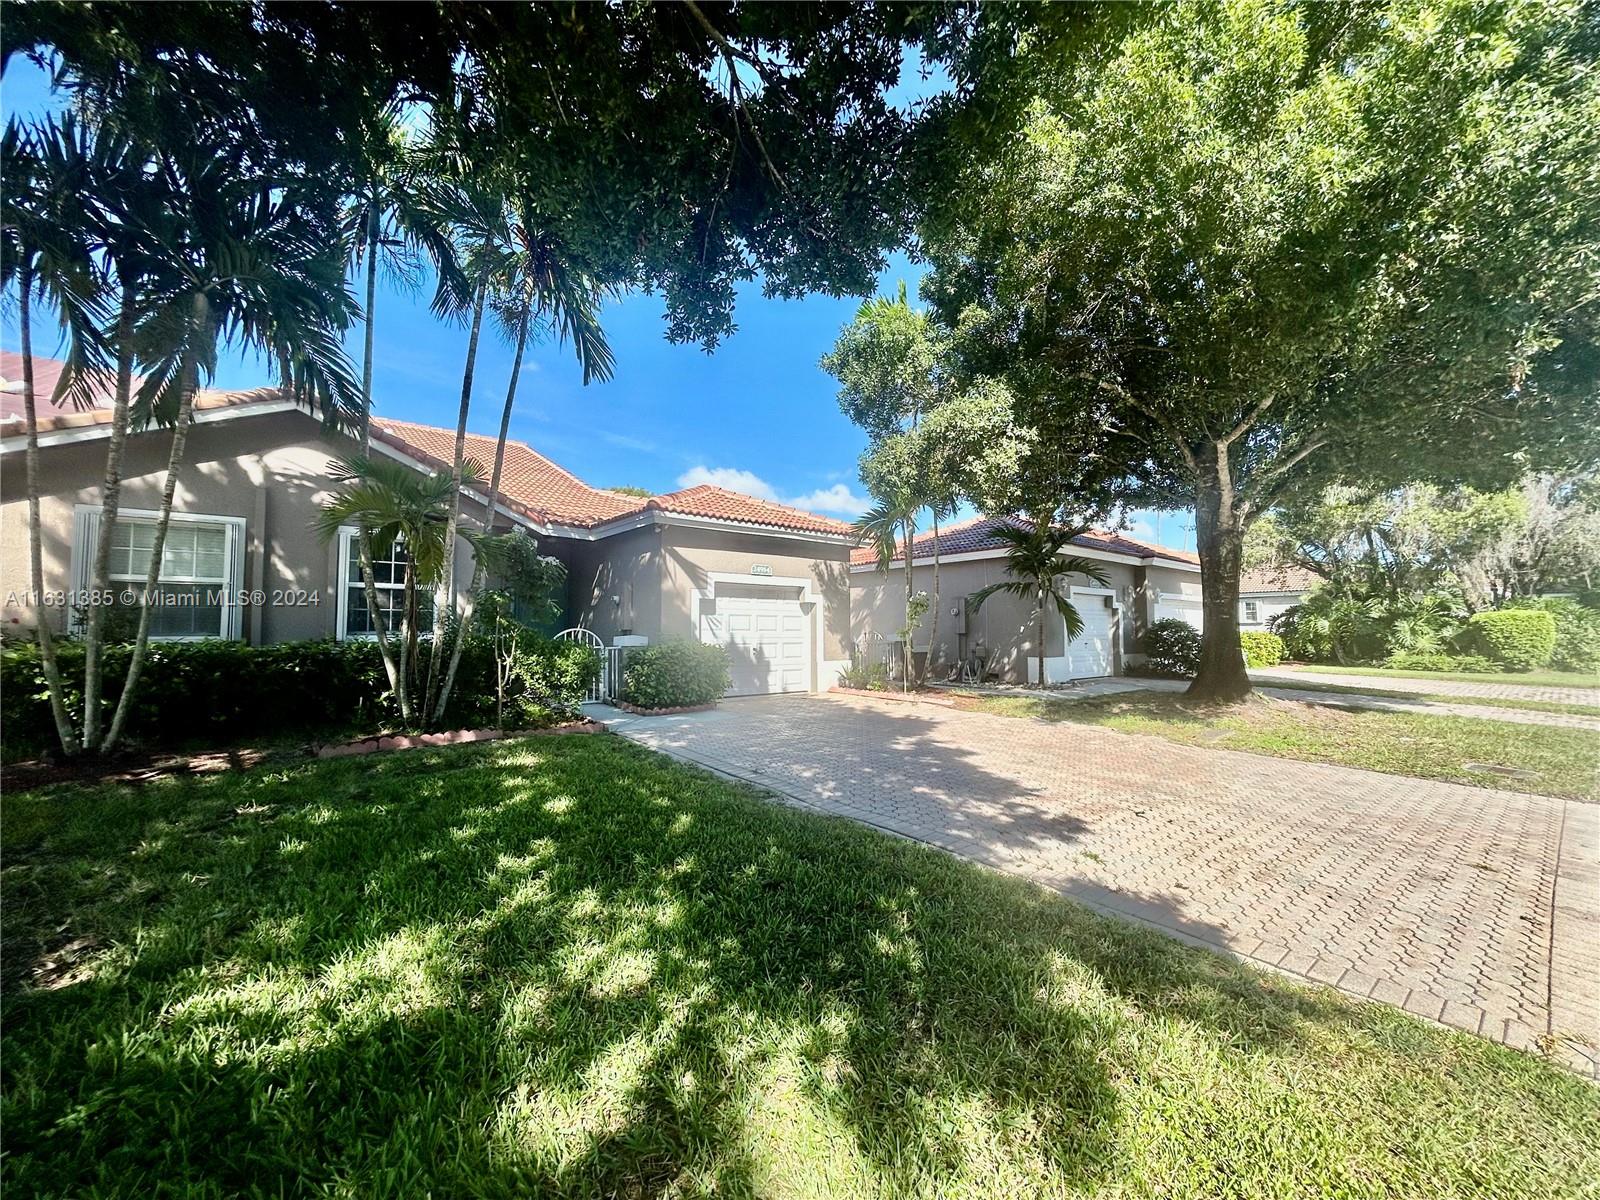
[
  {"x": 767, "y": 635},
  {"x": 1181, "y": 610},
  {"x": 1091, "y": 653}
]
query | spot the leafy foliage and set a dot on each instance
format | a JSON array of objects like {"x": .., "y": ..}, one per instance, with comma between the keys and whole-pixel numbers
[
  {"x": 866, "y": 676},
  {"x": 675, "y": 674},
  {"x": 1261, "y": 648},
  {"x": 1171, "y": 648},
  {"x": 1577, "y": 645},
  {"x": 214, "y": 692},
  {"x": 1517, "y": 639}
]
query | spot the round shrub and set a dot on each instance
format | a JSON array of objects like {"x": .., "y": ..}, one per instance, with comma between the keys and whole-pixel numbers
[
  {"x": 1261, "y": 649},
  {"x": 675, "y": 674},
  {"x": 1577, "y": 633},
  {"x": 1172, "y": 647},
  {"x": 1519, "y": 639}
]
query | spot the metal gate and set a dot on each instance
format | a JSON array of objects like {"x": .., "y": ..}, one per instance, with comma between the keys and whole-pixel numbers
[{"x": 604, "y": 688}]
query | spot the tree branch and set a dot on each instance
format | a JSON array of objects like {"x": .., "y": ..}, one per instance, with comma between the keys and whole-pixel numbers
[
  {"x": 1259, "y": 502},
  {"x": 732, "y": 56},
  {"x": 1248, "y": 420}
]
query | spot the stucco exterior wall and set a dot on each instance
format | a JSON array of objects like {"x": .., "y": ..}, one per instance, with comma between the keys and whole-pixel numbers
[
  {"x": 613, "y": 585},
  {"x": 1005, "y": 624},
  {"x": 270, "y": 470},
  {"x": 1268, "y": 605}
]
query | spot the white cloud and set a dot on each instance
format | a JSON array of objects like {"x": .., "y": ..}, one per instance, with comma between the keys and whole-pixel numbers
[{"x": 837, "y": 499}]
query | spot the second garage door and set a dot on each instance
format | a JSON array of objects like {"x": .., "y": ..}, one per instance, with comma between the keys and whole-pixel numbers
[{"x": 767, "y": 634}]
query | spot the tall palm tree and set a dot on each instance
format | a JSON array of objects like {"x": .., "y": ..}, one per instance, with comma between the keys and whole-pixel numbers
[
  {"x": 252, "y": 264},
  {"x": 480, "y": 220},
  {"x": 539, "y": 283},
  {"x": 387, "y": 220},
  {"x": 400, "y": 508},
  {"x": 1037, "y": 567},
  {"x": 46, "y": 249},
  {"x": 889, "y": 527}
]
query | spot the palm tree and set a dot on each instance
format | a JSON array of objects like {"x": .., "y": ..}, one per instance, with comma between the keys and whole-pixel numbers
[
  {"x": 1037, "y": 568},
  {"x": 477, "y": 213},
  {"x": 46, "y": 250},
  {"x": 388, "y": 219},
  {"x": 889, "y": 527},
  {"x": 251, "y": 264},
  {"x": 539, "y": 282},
  {"x": 404, "y": 509}
]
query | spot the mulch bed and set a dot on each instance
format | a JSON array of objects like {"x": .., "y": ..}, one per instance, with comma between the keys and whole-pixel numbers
[
  {"x": 664, "y": 712},
  {"x": 136, "y": 768},
  {"x": 922, "y": 697}
]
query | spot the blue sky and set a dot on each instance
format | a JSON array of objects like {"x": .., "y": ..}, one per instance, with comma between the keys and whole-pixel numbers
[{"x": 757, "y": 415}]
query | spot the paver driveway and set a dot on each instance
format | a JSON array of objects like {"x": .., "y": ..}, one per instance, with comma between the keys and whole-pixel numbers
[
  {"x": 1482, "y": 689},
  {"x": 1478, "y": 908}
]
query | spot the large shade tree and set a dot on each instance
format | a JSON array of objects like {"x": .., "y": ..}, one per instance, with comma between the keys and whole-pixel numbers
[{"x": 1233, "y": 253}]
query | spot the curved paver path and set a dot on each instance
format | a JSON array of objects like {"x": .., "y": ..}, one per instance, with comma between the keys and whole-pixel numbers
[
  {"x": 1288, "y": 676},
  {"x": 1474, "y": 907}
]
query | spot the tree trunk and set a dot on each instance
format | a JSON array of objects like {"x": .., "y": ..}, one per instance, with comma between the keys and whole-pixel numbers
[
  {"x": 1219, "y": 535},
  {"x": 1039, "y": 634},
  {"x": 908, "y": 655},
  {"x": 201, "y": 322},
  {"x": 110, "y": 501},
  {"x": 393, "y": 671},
  {"x": 47, "y": 645},
  {"x": 445, "y": 593},
  {"x": 933, "y": 625},
  {"x": 478, "y": 573}
]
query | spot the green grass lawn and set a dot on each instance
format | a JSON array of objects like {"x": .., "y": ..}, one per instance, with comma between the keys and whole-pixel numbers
[
  {"x": 1549, "y": 706},
  {"x": 566, "y": 966},
  {"x": 1580, "y": 679},
  {"x": 1399, "y": 743}
]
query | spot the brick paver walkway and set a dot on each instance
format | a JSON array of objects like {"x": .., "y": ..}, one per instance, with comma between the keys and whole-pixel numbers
[
  {"x": 1288, "y": 676},
  {"x": 1474, "y": 907}
]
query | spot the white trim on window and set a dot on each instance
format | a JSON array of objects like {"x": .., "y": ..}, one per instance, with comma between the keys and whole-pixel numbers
[
  {"x": 348, "y": 580},
  {"x": 86, "y": 535}
]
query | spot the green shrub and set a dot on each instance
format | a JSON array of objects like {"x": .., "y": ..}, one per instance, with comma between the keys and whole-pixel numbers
[
  {"x": 675, "y": 674},
  {"x": 1468, "y": 663},
  {"x": 1577, "y": 632},
  {"x": 1519, "y": 639},
  {"x": 1171, "y": 648},
  {"x": 212, "y": 692},
  {"x": 1261, "y": 649},
  {"x": 866, "y": 676}
]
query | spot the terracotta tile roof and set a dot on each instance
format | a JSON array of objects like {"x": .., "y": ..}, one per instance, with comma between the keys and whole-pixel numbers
[
  {"x": 708, "y": 500},
  {"x": 530, "y": 483},
  {"x": 47, "y": 373},
  {"x": 1296, "y": 580},
  {"x": 977, "y": 535},
  {"x": 535, "y": 486}
]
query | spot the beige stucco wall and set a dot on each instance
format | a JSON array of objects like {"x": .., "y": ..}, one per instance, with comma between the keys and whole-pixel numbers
[
  {"x": 646, "y": 581},
  {"x": 271, "y": 470},
  {"x": 1005, "y": 624}
]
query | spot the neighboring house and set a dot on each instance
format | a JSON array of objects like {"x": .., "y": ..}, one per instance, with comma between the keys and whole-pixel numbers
[
  {"x": 1268, "y": 591},
  {"x": 768, "y": 581},
  {"x": 1145, "y": 583}
]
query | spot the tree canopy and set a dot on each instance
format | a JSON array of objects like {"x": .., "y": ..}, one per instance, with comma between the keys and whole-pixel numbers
[{"x": 1227, "y": 254}]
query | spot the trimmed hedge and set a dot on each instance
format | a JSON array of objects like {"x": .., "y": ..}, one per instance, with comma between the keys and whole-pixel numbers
[
  {"x": 675, "y": 674},
  {"x": 1171, "y": 648},
  {"x": 1518, "y": 639},
  {"x": 1468, "y": 663},
  {"x": 1577, "y": 632},
  {"x": 1261, "y": 649},
  {"x": 213, "y": 692}
]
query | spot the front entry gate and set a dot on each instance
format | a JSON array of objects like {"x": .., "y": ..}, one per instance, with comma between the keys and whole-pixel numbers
[{"x": 604, "y": 688}]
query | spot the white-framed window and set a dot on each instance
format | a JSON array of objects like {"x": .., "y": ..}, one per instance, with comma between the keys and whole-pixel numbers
[
  {"x": 1252, "y": 612},
  {"x": 202, "y": 570},
  {"x": 389, "y": 578}
]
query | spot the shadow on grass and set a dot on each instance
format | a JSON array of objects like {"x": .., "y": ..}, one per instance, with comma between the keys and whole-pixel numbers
[{"x": 570, "y": 967}]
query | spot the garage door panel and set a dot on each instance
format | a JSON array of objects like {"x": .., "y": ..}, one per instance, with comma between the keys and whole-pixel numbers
[
  {"x": 1091, "y": 653},
  {"x": 768, "y": 639}
]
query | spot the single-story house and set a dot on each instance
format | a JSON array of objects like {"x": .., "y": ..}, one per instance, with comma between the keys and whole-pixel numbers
[
  {"x": 1267, "y": 591},
  {"x": 768, "y": 581},
  {"x": 1144, "y": 583}
]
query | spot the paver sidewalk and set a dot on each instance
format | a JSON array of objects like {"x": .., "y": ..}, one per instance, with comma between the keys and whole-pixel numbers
[
  {"x": 1474, "y": 907},
  {"x": 1288, "y": 677}
]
